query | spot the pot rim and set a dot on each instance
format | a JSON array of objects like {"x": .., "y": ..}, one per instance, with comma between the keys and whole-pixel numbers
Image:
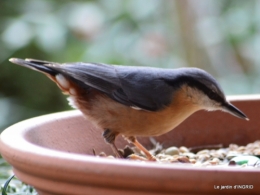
[{"x": 32, "y": 155}]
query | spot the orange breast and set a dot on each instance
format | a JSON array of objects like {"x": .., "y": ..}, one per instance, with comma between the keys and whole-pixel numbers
[{"x": 108, "y": 114}]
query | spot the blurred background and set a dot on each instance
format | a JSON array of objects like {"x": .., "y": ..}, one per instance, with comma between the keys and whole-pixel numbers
[{"x": 221, "y": 37}]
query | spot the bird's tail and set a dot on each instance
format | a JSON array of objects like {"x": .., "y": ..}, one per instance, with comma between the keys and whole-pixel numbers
[{"x": 38, "y": 65}]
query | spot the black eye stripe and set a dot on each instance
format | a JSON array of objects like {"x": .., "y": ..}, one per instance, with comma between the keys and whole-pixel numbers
[
  {"x": 209, "y": 92},
  {"x": 197, "y": 84}
]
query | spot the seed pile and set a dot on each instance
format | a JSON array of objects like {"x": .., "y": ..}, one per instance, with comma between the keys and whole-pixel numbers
[{"x": 234, "y": 155}]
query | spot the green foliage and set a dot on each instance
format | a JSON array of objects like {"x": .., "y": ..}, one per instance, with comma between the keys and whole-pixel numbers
[
  {"x": 219, "y": 36},
  {"x": 12, "y": 186},
  {"x": 9, "y": 184}
]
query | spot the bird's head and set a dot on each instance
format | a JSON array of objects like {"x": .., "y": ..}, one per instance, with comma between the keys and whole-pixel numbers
[{"x": 204, "y": 91}]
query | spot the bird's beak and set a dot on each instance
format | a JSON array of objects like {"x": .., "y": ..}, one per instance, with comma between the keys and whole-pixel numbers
[{"x": 231, "y": 109}]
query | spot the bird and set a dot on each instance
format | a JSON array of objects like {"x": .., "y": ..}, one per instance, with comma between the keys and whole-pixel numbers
[{"x": 134, "y": 101}]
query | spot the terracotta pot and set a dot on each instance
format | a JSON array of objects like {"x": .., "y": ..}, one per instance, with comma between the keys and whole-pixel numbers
[{"x": 53, "y": 153}]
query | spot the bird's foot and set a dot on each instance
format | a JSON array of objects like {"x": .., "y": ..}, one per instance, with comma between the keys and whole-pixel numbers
[{"x": 148, "y": 155}]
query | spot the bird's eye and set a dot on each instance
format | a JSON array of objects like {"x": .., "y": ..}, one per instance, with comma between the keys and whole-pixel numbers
[{"x": 213, "y": 95}]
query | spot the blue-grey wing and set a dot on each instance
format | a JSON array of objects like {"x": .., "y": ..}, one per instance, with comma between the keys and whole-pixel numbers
[{"x": 132, "y": 86}]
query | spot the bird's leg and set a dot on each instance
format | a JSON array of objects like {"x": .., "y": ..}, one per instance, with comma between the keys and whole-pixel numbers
[
  {"x": 110, "y": 137},
  {"x": 134, "y": 141}
]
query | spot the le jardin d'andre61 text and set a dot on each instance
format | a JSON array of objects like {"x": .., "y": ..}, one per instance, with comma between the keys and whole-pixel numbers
[{"x": 233, "y": 187}]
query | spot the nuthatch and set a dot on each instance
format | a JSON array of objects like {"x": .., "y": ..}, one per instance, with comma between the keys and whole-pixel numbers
[{"x": 134, "y": 101}]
